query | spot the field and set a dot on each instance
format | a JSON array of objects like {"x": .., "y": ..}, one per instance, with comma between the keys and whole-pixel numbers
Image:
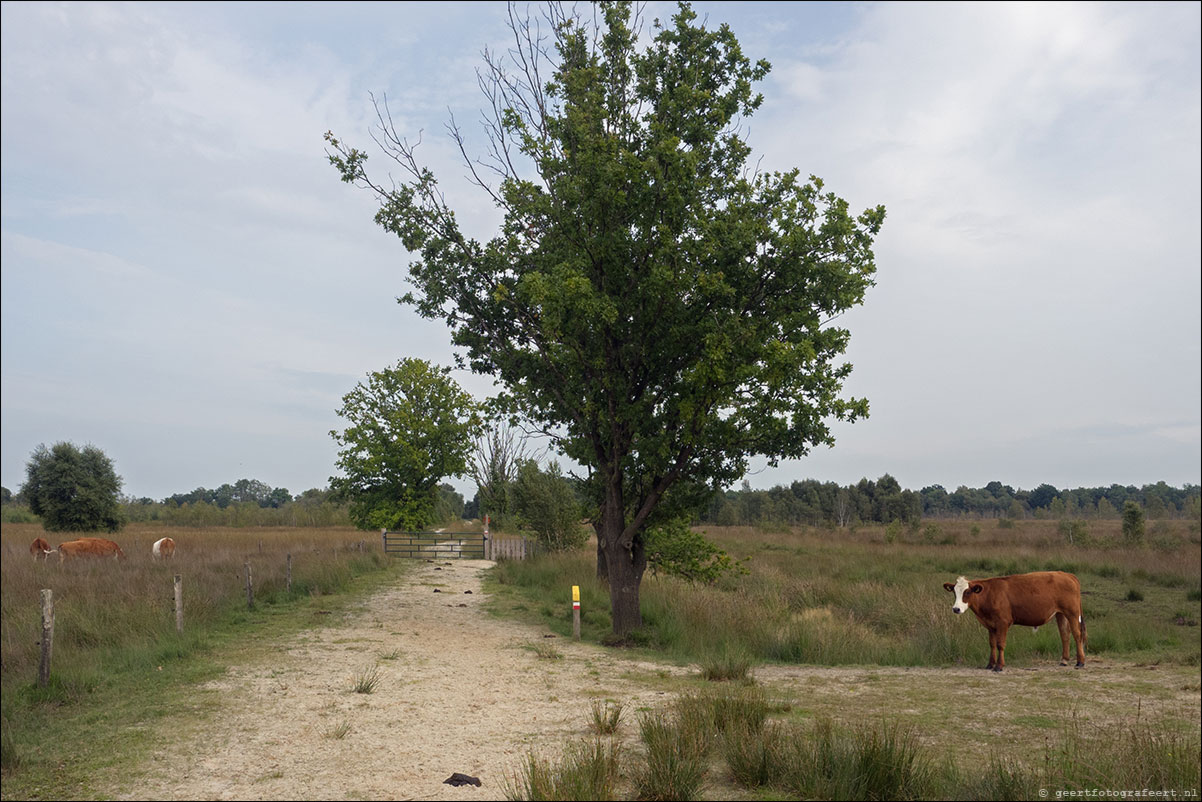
[
  {"x": 844, "y": 629},
  {"x": 115, "y": 636}
]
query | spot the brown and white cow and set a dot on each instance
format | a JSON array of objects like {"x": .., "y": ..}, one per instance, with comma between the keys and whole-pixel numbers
[
  {"x": 1028, "y": 600},
  {"x": 163, "y": 548},
  {"x": 89, "y": 547},
  {"x": 40, "y": 549}
]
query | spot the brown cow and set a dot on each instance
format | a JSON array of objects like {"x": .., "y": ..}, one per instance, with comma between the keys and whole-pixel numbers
[
  {"x": 1028, "y": 600},
  {"x": 40, "y": 549},
  {"x": 89, "y": 547},
  {"x": 163, "y": 548}
]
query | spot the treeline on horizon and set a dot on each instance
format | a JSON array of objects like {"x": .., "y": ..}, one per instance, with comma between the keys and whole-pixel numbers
[
  {"x": 809, "y": 502},
  {"x": 813, "y": 503}
]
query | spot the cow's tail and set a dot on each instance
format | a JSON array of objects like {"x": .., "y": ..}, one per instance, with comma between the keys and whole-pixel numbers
[{"x": 1084, "y": 637}]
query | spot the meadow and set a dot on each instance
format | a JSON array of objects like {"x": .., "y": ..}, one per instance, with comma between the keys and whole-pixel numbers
[
  {"x": 869, "y": 604},
  {"x": 116, "y": 648},
  {"x": 874, "y": 595}
]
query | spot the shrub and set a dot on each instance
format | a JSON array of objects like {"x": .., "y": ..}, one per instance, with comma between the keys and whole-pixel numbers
[
  {"x": 675, "y": 549},
  {"x": 73, "y": 489},
  {"x": 1133, "y": 522},
  {"x": 546, "y": 504}
]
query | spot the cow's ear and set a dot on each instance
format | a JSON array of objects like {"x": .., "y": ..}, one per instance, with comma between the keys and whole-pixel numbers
[
  {"x": 976, "y": 588},
  {"x": 949, "y": 587}
]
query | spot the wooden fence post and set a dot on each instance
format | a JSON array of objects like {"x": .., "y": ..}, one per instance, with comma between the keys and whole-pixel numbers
[
  {"x": 179, "y": 604},
  {"x": 289, "y": 572},
  {"x": 250, "y": 593},
  {"x": 47, "y": 637}
]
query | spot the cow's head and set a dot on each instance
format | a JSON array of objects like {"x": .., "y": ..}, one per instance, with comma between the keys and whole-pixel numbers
[{"x": 962, "y": 590}]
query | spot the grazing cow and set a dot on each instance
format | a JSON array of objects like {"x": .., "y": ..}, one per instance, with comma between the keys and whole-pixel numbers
[
  {"x": 40, "y": 549},
  {"x": 89, "y": 547},
  {"x": 1028, "y": 600},
  {"x": 163, "y": 548}
]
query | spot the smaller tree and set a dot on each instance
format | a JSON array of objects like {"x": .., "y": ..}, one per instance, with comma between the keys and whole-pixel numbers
[
  {"x": 675, "y": 549},
  {"x": 1133, "y": 522},
  {"x": 493, "y": 465},
  {"x": 546, "y": 503},
  {"x": 74, "y": 489},
  {"x": 409, "y": 426}
]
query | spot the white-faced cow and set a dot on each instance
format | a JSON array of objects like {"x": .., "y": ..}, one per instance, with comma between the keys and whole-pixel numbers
[
  {"x": 40, "y": 549},
  {"x": 89, "y": 547},
  {"x": 1028, "y": 600},
  {"x": 163, "y": 548}
]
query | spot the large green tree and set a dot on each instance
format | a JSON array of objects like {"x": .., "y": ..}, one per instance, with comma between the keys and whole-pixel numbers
[
  {"x": 652, "y": 301},
  {"x": 73, "y": 489},
  {"x": 408, "y": 427}
]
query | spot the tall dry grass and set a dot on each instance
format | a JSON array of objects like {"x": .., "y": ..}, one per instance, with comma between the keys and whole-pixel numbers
[
  {"x": 874, "y": 595},
  {"x": 113, "y": 615}
]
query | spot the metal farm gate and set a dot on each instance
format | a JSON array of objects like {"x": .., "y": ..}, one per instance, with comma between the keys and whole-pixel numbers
[{"x": 455, "y": 546}]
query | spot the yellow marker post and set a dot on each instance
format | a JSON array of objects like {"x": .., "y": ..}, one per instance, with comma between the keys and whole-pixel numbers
[{"x": 576, "y": 612}]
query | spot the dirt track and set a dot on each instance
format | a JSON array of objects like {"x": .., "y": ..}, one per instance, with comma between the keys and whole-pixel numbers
[{"x": 459, "y": 691}]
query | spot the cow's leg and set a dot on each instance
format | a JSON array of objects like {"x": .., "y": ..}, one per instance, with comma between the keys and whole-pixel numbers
[
  {"x": 992, "y": 649},
  {"x": 1077, "y": 625},
  {"x": 1062, "y": 625},
  {"x": 1001, "y": 647}
]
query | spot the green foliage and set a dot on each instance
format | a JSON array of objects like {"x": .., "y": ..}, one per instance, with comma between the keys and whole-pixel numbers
[
  {"x": 652, "y": 299},
  {"x": 545, "y": 502},
  {"x": 675, "y": 549},
  {"x": 16, "y": 514},
  {"x": 1133, "y": 522},
  {"x": 409, "y": 426},
  {"x": 1075, "y": 532},
  {"x": 73, "y": 489}
]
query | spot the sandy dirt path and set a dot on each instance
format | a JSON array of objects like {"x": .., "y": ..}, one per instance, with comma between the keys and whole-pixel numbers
[{"x": 459, "y": 691}]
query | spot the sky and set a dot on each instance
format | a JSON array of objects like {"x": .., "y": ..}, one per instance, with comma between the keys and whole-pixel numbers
[{"x": 187, "y": 284}]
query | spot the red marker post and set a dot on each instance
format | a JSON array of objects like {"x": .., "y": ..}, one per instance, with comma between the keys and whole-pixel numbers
[{"x": 576, "y": 612}]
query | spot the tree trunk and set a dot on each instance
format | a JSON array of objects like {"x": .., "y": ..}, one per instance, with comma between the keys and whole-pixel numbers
[
  {"x": 625, "y": 577},
  {"x": 625, "y": 564}
]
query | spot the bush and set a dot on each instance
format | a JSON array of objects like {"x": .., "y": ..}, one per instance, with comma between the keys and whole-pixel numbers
[
  {"x": 73, "y": 489},
  {"x": 546, "y": 504},
  {"x": 1133, "y": 522},
  {"x": 677, "y": 550}
]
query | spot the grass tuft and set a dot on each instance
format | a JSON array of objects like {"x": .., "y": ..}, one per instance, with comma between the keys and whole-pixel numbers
[
  {"x": 589, "y": 769},
  {"x": 368, "y": 680},
  {"x": 606, "y": 716}
]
